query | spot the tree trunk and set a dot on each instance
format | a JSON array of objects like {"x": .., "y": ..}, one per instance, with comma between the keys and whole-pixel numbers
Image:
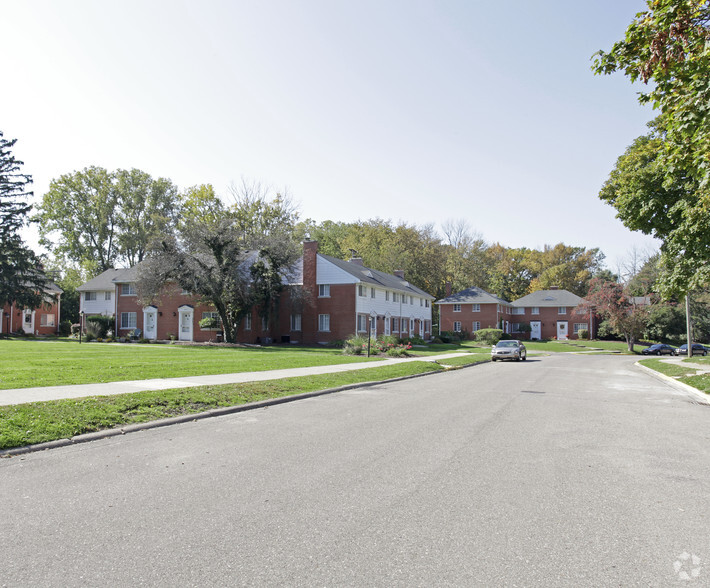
[{"x": 630, "y": 342}]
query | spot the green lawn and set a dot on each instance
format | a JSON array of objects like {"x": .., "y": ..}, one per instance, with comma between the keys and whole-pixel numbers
[
  {"x": 464, "y": 360},
  {"x": 28, "y": 363},
  {"x": 669, "y": 369},
  {"x": 37, "y": 422}
]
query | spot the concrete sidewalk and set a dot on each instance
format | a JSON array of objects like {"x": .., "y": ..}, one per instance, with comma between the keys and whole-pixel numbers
[{"x": 23, "y": 395}]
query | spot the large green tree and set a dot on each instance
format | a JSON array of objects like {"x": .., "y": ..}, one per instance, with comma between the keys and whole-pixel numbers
[
  {"x": 668, "y": 46},
  {"x": 234, "y": 262},
  {"x": 95, "y": 218},
  {"x": 21, "y": 278}
]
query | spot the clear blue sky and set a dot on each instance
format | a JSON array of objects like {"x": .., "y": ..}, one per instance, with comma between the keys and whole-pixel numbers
[{"x": 415, "y": 111}]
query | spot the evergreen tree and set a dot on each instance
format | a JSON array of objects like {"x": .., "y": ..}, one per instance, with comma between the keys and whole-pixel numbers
[{"x": 21, "y": 277}]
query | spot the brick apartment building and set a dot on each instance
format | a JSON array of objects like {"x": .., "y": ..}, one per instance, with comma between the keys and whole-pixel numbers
[
  {"x": 43, "y": 320},
  {"x": 325, "y": 300}
]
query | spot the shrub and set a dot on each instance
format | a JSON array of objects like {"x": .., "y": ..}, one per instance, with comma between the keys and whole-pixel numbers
[
  {"x": 437, "y": 341},
  {"x": 413, "y": 340},
  {"x": 65, "y": 328},
  {"x": 489, "y": 336},
  {"x": 95, "y": 330},
  {"x": 583, "y": 334},
  {"x": 105, "y": 322},
  {"x": 210, "y": 323},
  {"x": 355, "y": 345},
  {"x": 75, "y": 329},
  {"x": 399, "y": 351}
]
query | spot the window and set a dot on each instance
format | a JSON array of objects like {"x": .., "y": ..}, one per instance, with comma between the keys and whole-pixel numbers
[
  {"x": 107, "y": 295},
  {"x": 247, "y": 322},
  {"x": 475, "y": 308},
  {"x": 295, "y": 322},
  {"x": 324, "y": 290},
  {"x": 361, "y": 290},
  {"x": 264, "y": 324},
  {"x": 411, "y": 325},
  {"x": 128, "y": 290},
  {"x": 361, "y": 323},
  {"x": 411, "y": 300},
  {"x": 372, "y": 292},
  {"x": 387, "y": 295},
  {"x": 395, "y": 324},
  {"x": 519, "y": 310},
  {"x": 214, "y": 316},
  {"x": 395, "y": 297},
  {"x": 476, "y": 325},
  {"x": 88, "y": 296},
  {"x": 47, "y": 320},
  {"x": 426, "y": 304},
  {"x": 535, "y": 310},
  {"x": 457, "y": 326},
  {"x": 128, "y": 320},
  {"x": 324, "y": 322},
  {"x": 580, "y": 327},
  {"x": 457, "y": 308},
  {"x": 404, "y": 325},
  {"x": 404, "y": 298},
  {"x": 562, "y": 310}
]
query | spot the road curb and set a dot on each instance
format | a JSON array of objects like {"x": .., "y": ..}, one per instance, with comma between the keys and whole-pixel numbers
[
  {"x": 701, "y": 396},
  {"x": 214, "y": 412}
]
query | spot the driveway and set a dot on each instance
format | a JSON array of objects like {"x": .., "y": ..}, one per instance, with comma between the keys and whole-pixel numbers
[{"x": 559, "y": 471}]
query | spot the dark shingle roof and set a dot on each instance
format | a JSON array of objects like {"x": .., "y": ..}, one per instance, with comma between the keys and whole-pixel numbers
[
  {"x": 375, "y": 277},
  {"x": 472, "y": 295},
  {"x": 104, "y": 281},
  {"x": 549, "y": 298}
]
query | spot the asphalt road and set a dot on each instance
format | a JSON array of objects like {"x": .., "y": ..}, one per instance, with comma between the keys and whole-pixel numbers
[{"x": 559, "y": 471}]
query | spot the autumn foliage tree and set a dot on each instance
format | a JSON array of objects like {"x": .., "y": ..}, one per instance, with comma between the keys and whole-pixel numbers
[{"x": 611, "y": 301}]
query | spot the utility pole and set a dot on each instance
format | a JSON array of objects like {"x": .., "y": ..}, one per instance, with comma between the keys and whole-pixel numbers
[{"x": 688, "y": 326}]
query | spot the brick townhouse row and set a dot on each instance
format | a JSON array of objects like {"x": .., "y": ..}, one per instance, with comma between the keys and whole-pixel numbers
[
  {"x": 43, "y": 320},
  {"x": 326, "y": 299},
  {"x": 551, "y": 314}
]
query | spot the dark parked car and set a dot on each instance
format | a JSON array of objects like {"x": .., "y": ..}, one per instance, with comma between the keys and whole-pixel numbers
[
  {"x": 698, "y": 349},
  {"x": 660, "y": 349},
  {"x": 509, "y": 349}
]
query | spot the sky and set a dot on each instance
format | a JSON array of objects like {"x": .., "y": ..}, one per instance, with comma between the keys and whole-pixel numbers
[{"x": 413, "y": 111}]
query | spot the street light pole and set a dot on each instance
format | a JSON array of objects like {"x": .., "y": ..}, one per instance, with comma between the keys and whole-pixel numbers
[{"x": 688, "y": 326}]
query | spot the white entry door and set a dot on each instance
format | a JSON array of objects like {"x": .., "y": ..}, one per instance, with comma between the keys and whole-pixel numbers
[
  {"x": 150, "y": 323},
  {"x": 562, "y": 330},
  {"x": 535, "y": 330},
  {"x": 185, "y": 325},
  {"x": 28, "y": 322}
]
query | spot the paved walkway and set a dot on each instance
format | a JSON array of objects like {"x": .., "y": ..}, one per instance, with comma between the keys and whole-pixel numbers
[
  {"x": 703, "y": 368},
  {"x": 23, "y": 395}
]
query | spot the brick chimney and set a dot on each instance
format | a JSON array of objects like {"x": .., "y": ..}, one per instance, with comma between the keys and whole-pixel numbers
[
  {"x": 399, "y": 273},
  {"x": 356, "y": 261},
  {"x": 448, "y": 289}
]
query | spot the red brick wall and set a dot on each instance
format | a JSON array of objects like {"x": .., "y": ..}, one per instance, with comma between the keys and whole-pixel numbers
[
  {"x": 486, "y": 316},
  {"x": 16, "y": 319},
  {"x": 341, "y": 308},
  {"x": 550, "y": 316}
]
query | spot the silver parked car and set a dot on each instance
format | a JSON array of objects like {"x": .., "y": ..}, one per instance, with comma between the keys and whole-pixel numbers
[{"x": 509, "y": 349}]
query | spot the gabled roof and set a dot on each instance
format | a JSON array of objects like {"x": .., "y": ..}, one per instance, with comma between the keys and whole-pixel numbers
[
  {"x": 549, "y": 298},
  {"x": 472, "y": 295},
  {"x": 104, "y": 281},
  {"x": 375, "y": 277}
]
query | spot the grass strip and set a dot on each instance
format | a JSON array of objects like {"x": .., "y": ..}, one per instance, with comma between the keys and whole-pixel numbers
[
  {"x": 459, "y": 361},
  {"x": 669, "y": 369},
  {"x": 701, "y": 382},
  {"x": 38, "y": 422}
]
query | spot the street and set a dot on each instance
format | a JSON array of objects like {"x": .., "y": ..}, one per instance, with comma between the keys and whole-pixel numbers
[{"x": 567, "y": 470}]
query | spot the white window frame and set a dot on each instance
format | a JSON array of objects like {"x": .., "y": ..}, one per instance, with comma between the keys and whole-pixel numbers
[
  {"x": 107, "y": 295},
  {"x": 129, "y": 320},
  {"x": 324, "y": 323},
  {"x": 323, "y": 290},
  {"x": 562, "y": 310},
  {"x": 128, "y": 289},
  {"x": 395, "y": 324},
  {"x": 89, "y": 296},
  {"x": 361, "y": 290},
  {"x": 535, "y": 310},
  {"x": 457, "y": 308},
  {"x": 457, "y": 326},
  {"x": 264, "y": 324},
  {"x": 362, "y": 323},
  {"x": 372, "y": 292},
  {"x": 395, "y": 297},
  {"x": 387, "y": 295},
  {"x": 475, "y": 326},
  {"x": 295, "y": 322},
  {"x": 46, "y": 320},
  {"x": 411, "y": 300},
  {"x": 247, "y": 322},
  {"x": 580, "y": 327},
  {"x": 213, "y": 315},
  {"x": 476, "y": 307}
]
